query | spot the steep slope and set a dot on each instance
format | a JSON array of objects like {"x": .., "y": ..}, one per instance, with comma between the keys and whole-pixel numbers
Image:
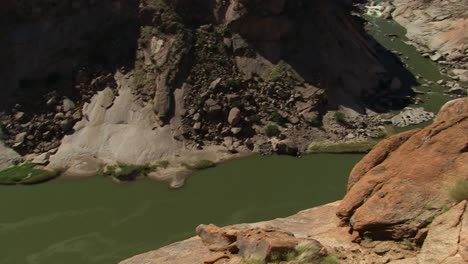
[{"x": 159, "y": 79}]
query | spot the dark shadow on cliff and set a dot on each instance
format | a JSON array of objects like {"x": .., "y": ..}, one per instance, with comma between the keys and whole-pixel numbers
[
  {"x": 56, "y": 53},
  {"x": 60, "y": 50},
  {"x": 329, "y": 48}
]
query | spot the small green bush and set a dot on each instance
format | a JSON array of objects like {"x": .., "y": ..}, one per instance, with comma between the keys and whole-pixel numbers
[
  {"x": 200, "y": 165},
  {"x": 253, "y": 261},
  {"x": 459, "y": 192},
  {"x": 126, "y": 172},
  {"x": 278, "y": 71},
  {"x": 26, "y": 174},
  {"x": 330, "y": 259},
  {"x": 272, "y": 131},
  {"x": 340, "y": 118},
  {"x": 233, "y": 83},
  {"x": 278, "y": 118}
]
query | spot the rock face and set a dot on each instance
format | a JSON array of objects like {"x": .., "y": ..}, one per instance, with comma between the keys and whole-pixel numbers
[
  {"x": 179, "y": 75},
  {"x": 435, "y": 26},
  {"x": 406, "y": 180},
  {"x": 447, "y": 239}
]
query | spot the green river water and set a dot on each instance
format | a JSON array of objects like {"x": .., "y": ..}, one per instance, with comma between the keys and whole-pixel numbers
[{"x": 97, "y": 221}]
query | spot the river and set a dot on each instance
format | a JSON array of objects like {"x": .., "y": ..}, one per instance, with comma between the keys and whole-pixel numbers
[{"x": 97, "y": 221}]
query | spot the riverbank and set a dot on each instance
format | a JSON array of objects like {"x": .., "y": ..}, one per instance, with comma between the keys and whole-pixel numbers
[{"x": 398, "y": 209}]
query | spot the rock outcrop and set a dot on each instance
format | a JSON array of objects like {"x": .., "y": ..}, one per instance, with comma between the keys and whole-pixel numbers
[
  {"x": 397, "y": 210},
  {"x": 439, "y": 29},
  {"x": 405, "y": 181},
  {"x": 176, "y": 79}
]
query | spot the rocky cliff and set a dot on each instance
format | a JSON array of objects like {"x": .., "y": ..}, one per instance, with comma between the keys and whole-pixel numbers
[
  {"x": 96, "y": 82},
  {"x": 439, "y": 29},
  {"x": 406, "y": 203}
]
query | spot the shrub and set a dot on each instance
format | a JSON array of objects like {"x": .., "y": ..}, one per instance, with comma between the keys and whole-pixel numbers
[
  {"x": 340, "y": 118},
  {"x": 278, "y": 118},
  {"x": 278, "y": 71},
  {"x": 459, "y": 192},
  {"x": 272, "y": 131},
  {"x": 200, "y": 165},
  {"x": 125, "y": 172},
  {"x": 342, "y": 146},
  {"x": 233, "y": 83},
  {"x": 330, "y": 259},
  {"x": 26, "y": 174},
  {"x": 253, "y": 261}
]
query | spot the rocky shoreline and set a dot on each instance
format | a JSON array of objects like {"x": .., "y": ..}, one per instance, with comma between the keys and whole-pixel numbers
[{"x": 398, "y": 209}]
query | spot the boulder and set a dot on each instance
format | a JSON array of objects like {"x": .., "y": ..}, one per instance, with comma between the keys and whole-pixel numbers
[
  {"x": 7, "y": 156},
  {"x": 411, "y": 116},
  {"x": 68, "y": 105},
  {"x": 285, "y": 147},
  {"x": 213, "y": 108},
  {"x": 261, "y": 244},
  {"x": 42, "y": 159},
  {"x": 215, "y": 237},
  {"x": 405, "y": 180},
  {"x": 234, "y": 116},
  {"x": 457, "y": 90}
]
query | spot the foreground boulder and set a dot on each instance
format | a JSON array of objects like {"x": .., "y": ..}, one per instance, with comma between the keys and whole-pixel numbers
[
  {"x": 263, "y": 244},
  {"x": 405, "y": 181}
]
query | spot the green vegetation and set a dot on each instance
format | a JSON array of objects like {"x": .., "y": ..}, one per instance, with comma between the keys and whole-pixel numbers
[
  {"x": 253, "y": 261},
  {"x": 459, "y": 192},
  {"x": 340, "y": 118},
  {"x": 342, "y": 146},
  {"x": 233, "y": 83},
  {"x": 26, "y": 174},
  {"x": 278, "y": 118},
  {"x": 278, "y": 71},
  {"x": 272, "y": 131},
  {"x": 200, "y": 165},
  {"x": 330, "y": 259},
  {"x": 126, "y": 172}
]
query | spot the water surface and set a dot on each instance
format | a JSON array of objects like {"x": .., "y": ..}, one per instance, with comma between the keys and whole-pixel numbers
[{"x": 97, "y": 221}]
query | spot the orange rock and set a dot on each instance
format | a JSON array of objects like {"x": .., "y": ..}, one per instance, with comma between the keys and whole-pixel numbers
[{"x": 393, "y": 194}]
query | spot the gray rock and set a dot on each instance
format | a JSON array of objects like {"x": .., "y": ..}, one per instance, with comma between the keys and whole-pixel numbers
[
  {"x": 19, "y": 139},
  {"x": 411, "y": 116},
  {"x": 19, "y": 116},
  {"x": 436, "y": 57},
  {"x": 236, "y": 130},
  {"x": 457, "y": 90},
  {"x": 312, "y": 118},
  {"x": 68, "y": 105},
  {"x": 234, "y": 116},
  {"x": 66, "y": 124},
  {"x": 214, "y": 84},
  {"x": 197, "y": 126},
  {"x": 285, "y": 147},
  {"x": 7, "y": 156},
  {"x": 42, "y": 159}
]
